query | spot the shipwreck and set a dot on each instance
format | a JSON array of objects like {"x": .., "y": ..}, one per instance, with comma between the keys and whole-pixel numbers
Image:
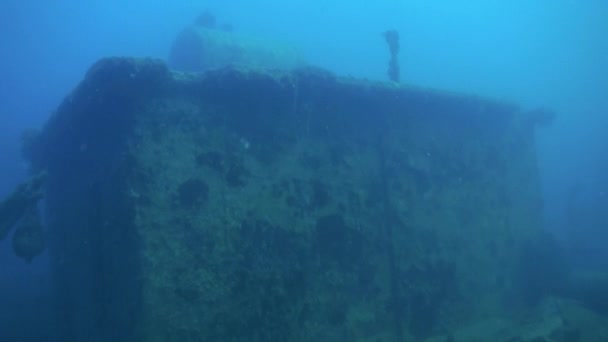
[{"x": 252, "y": 204}]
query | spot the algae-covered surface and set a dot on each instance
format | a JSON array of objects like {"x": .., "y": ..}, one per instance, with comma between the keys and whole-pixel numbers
[{"x": 243, "y": 205}]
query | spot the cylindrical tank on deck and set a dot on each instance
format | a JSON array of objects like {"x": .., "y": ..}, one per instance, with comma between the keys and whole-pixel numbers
[{"x": 198, "y": 49}]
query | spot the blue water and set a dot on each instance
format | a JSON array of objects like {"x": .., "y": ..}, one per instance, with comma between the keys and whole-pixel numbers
[{"x": 549, "y": 53}]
